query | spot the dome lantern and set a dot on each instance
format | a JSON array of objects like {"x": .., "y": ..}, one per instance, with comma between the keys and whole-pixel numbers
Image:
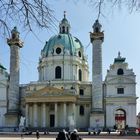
[{"x": 64, "y": 26}]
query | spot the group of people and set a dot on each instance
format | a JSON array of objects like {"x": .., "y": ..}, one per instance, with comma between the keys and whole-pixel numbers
[{"x": 63, "y": 135}]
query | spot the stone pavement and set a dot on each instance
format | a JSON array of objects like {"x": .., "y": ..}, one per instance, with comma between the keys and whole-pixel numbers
[
  {"x": 53, "y": 137},
  {"x": 33, "y": 138}
]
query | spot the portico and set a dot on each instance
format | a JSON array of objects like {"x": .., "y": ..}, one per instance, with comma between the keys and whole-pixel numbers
[{"x": 45, "y": 110}]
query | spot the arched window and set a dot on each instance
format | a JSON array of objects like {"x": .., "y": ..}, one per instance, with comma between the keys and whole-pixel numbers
[
  {"x": 120, "y": 71},
  {"x": 81, "y": 111},
  {"x": 63, "y": 29},
  {"x": 96, "y": 29},
  {"x": 79, "y": 54},
  {"x": 80, "y": 75},
  {"x": 67, "y": 29},
  {"x": 58, "y": 72},
  {"x": 81, "y": 92}
]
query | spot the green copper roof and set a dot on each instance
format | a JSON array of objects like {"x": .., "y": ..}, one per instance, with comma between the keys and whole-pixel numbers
[
  {"x": 64, "y": 39},
  {"x": 69, "y": 43},
  {"x": 64, "y": 21},
  {"x": 2, "y": 67}
]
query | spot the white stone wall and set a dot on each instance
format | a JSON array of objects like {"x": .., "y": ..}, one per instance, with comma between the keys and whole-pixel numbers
[
  {"x": 3, "y": 95},
  {"x": 83, "y": 120},
  {"x": 130, "y": 113},
  {"x": 69, "y": 66},
  {"x": 125, "y": 101}
]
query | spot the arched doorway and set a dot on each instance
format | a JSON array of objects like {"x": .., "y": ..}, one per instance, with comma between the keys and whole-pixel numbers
[{"x": 120, "y": 118}]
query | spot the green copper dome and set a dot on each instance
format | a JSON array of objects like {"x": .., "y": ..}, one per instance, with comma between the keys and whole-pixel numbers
[{"x": 69, "y": 44}]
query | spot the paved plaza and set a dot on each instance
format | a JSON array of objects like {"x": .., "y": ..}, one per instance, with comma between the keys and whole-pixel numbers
[{"x": 42, "y": 137}]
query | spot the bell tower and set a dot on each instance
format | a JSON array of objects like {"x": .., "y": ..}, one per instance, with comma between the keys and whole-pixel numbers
[
  {"x": 13, "y": 95},
  {"x": 97, "y": 38}
]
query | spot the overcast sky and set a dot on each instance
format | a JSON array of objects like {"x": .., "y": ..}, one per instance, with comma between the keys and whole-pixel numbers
[{"x": 121, "y": 30}]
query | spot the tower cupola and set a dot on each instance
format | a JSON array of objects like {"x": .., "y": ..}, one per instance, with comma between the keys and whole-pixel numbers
[{"x": 64, "y": 26}]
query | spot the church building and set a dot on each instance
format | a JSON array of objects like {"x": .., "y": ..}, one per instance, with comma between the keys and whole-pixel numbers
[{"x": 63, "y": 96}]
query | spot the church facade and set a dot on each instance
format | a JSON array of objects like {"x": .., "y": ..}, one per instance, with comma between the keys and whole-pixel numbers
[{"x": 63, "y": 96}]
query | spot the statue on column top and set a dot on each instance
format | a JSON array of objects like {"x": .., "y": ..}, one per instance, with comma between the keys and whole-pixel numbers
[{"x": 15, "y": 40}]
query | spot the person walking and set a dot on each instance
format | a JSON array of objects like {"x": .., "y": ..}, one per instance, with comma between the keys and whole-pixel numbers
[
  {"x": 37, "y": 134},
  {"x": 74, "y": 135},
  {"x": 63, "y": 135}
]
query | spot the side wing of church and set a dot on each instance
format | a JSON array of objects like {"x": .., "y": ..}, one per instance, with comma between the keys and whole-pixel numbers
[{"x": 63, "y": 96}]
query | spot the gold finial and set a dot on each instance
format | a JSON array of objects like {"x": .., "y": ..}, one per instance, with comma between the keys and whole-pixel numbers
[{"x": 64, "y": 14}]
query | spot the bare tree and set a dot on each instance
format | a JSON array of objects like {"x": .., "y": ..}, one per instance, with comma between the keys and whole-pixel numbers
[
  {"x": 37, "y": 13},
  {"x": 101, "y": 5},
  {"x": 26, "y": 13}
]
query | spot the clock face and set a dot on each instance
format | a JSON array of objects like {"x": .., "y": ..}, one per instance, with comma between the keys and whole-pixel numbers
[{"x": 58, "y": 50}]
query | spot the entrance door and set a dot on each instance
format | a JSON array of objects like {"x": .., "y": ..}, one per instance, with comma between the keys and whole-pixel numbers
[
  {"x": 52, "y": 120},
  {"x": 120, "y": 118}
]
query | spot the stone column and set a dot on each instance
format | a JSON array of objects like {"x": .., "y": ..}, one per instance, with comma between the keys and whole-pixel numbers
[
  {"x": 12, "y": 115},
  {"x": 56, "y": 121},
  {"x": 30, "y": 116},
  {"x": 47, "y": 116},
  {"x": 35, "y": 115},
  {"x": 74, "y": 113},
  {"x": 27, "y": 114},
  {"x": 97, "y": 38},
  {"x": 97, "y": 114},
  {"x": 43, "y": 115},
  {"x": 13, "y": 95},
  {"x": 64, "y": 115}
]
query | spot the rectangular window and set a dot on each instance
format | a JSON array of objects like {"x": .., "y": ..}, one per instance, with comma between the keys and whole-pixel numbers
[
  {"x": 81, "y": 92},
  {"x": 120, "y": 90},
  {"x": 51, "y": 107}
]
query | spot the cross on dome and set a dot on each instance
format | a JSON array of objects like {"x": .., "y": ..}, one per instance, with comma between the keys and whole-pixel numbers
[{"x": 64, "y": 14}]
